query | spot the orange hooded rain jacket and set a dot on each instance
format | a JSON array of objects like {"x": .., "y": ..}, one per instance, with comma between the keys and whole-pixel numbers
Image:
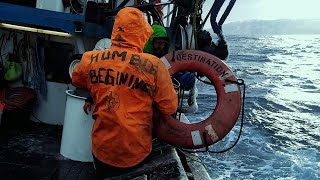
[{"x": 124, "y": 83}]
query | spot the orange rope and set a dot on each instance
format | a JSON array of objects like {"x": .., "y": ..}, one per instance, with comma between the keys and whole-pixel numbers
[{"x": 17, "y": 97}]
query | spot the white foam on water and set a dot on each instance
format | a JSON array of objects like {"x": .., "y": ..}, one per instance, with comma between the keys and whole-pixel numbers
[{"x": 281, "y": 132}]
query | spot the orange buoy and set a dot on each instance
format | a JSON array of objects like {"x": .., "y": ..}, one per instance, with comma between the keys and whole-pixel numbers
[{"x": 223, "y": 117}]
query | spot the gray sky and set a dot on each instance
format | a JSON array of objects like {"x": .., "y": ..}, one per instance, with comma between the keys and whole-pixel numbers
[{"x": 269, "y": 10}]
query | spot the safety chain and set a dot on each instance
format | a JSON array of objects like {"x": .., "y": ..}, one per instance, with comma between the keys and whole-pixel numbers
[{"x": 199, "y": 12}]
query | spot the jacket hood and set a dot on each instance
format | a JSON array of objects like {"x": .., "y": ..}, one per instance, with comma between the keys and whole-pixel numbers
[
  {"x": 159, "y": 32},
  {"x": 130, "y": 30}
]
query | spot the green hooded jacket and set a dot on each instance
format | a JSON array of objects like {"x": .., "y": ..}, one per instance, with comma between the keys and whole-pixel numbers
[{"x": 159, "y": 31}]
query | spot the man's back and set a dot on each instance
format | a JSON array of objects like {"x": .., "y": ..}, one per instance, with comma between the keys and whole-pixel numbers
[{"x": 124, "y": 83}]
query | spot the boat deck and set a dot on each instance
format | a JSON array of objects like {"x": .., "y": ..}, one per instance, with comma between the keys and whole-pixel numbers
[{"x": 32, "y": 151}]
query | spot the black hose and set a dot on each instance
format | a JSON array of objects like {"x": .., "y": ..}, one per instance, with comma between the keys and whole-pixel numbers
[
  {"x": 226, "y": 12},
  {"x": 214, "y": 13}
]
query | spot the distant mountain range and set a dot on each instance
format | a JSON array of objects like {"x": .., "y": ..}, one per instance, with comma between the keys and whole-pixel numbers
[{"x": 272, "y": 27}]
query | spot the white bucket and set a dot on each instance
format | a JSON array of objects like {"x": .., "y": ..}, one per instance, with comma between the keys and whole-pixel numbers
[
  {"x": 72, "y": 66},
  {"x": 77, "y": 127}
]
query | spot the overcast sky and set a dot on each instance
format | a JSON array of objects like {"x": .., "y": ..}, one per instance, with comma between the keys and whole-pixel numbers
[{"x": 269, "y": 9}]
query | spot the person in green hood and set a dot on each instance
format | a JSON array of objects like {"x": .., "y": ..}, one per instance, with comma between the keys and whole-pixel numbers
[{"x": 158, "y": 43}]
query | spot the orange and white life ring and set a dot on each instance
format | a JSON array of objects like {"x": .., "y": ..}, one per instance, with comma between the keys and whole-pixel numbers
[{"x": 223, "y": 117}]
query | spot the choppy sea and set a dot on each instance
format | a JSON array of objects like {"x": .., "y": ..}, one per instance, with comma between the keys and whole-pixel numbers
[{"x": 281, "y": 133}]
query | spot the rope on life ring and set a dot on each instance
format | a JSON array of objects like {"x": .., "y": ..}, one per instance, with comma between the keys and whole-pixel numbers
[{"x": 223, "y": 117}]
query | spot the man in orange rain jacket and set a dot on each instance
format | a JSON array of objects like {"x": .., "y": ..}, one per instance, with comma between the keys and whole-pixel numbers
[{"x": 124, "y": 84}]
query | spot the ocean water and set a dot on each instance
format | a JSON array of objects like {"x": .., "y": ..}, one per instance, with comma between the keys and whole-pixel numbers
[{"x": 281, "y": 133}]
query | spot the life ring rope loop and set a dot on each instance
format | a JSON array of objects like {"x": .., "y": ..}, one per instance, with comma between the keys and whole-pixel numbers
[{"x": 240, "y": 82}]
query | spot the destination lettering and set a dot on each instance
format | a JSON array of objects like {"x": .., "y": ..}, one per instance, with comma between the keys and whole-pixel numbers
[
  {"x": 223, "y": 73},
  {"x": 144, "y": 64},
  {"x": 115, "y": 78}
]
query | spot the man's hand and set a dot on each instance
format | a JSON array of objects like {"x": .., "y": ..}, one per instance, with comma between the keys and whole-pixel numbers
[{"x": 87, "y": 106}]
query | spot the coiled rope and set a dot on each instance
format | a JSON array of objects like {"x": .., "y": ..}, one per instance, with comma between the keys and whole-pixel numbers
[{"x": 17, "y": 98}]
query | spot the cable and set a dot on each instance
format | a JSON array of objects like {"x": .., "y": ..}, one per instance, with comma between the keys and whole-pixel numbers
[
  {"x": 166, "y": 16},
  {"x": 203, "y": 81},
  {"x": 38, "y": 120},
  {"x": 73, "y": 9},
  {"x": 191, "y": 156}
]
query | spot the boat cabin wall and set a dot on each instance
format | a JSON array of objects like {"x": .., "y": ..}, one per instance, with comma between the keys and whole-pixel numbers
[
  {"x": 52, "y": 5},
  {"x": 52, "y": 79},
  {"x": 54, "y": 53}
]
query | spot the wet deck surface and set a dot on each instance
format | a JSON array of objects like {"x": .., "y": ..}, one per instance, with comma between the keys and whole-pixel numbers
[{"x": 32, "y": 151}]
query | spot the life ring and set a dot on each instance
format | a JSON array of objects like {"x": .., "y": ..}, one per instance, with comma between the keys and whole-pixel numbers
[{"x": 223, "y": 117}]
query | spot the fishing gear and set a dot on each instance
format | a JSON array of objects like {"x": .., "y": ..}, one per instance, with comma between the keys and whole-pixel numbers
[{"x": 96, "y": 13}]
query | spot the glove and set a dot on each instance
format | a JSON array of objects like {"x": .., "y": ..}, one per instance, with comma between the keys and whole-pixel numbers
[
  {"x": 221, "y": 50},
  {"x": 204, "y": 39},
  {"x": 87, "y": 106}
]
